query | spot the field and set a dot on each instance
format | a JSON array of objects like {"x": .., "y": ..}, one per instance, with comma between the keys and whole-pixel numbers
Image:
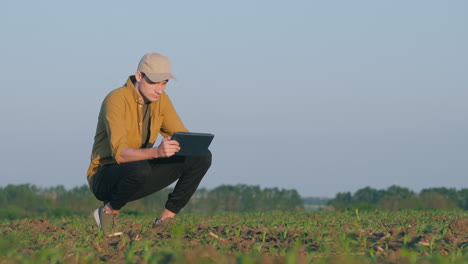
[{"x": 277, "y": 237}]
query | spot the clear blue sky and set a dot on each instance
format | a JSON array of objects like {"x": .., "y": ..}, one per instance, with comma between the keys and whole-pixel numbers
[{"x": 318, "y": 96}]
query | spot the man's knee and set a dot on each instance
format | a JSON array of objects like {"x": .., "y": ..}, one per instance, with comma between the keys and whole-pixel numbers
[
  {"x": 206, "y": 159},
  {"x": 202, "y": 162}
]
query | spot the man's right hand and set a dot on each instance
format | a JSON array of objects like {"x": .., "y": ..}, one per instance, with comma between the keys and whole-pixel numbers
[{"x": 167, "y": 147}]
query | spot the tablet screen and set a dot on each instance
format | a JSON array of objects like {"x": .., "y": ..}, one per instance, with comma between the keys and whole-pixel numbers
[{"x": 192, "y": 144}]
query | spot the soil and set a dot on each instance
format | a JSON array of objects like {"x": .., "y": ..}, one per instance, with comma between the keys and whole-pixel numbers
[{"x": 222, "y": 243}]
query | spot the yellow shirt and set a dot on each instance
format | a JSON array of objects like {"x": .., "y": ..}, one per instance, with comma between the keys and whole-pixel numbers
[{"x": 120, "y": 124}]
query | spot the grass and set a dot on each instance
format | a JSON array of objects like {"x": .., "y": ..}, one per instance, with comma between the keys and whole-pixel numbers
[{"x": 277, "y": 237}]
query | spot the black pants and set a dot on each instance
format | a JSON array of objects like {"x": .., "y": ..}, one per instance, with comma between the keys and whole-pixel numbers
[{"x": 125, "y": 182}]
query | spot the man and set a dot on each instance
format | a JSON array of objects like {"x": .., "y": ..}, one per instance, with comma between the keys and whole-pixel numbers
[{"x": 124, "y": 164}]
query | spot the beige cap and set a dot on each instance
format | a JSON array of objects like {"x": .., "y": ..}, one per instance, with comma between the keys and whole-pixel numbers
[{"x": 156, "y": 67}]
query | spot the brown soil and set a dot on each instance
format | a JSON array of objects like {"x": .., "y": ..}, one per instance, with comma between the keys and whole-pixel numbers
[{"x": 220, "y": 243}]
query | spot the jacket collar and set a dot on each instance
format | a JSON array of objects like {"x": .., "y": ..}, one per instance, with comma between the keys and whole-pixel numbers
[{"x": 136, "y": 96}]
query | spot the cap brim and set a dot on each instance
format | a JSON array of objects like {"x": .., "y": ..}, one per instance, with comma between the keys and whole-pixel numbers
[{"x": 159, "y": 77}]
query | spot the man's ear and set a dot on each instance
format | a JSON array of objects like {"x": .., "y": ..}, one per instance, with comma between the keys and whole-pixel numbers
[{"x": 138, "y": 76}]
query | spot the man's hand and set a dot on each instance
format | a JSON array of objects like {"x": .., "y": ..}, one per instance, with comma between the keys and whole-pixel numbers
[{"x": 167, "y": 147}]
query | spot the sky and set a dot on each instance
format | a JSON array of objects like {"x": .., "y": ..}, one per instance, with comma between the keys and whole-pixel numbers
[{"x": 317, "y": 96}]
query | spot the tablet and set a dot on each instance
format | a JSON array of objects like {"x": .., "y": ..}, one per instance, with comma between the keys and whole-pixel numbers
[{"x": 192, "y": 144}]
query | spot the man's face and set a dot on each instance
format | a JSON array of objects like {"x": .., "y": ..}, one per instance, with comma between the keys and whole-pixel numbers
[{"x": 150, "y": 91}]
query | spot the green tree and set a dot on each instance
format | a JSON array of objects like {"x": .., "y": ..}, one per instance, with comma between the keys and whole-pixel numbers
[
  {"x": 367, "y": 195},
  {"x": 342, "y": 201},
  {"x": 435, "y": 200},
  {"x": 399, "y": 192}
]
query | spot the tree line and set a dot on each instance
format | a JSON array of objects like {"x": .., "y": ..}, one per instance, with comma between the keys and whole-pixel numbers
[
  {"x": 396, "y": 197},
  {"x": 18, "y": 201}
]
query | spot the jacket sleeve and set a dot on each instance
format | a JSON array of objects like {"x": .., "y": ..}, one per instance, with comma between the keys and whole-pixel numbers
[
  {"x": 114, "y": 118},
  {"x": 171, "y": 120}
]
